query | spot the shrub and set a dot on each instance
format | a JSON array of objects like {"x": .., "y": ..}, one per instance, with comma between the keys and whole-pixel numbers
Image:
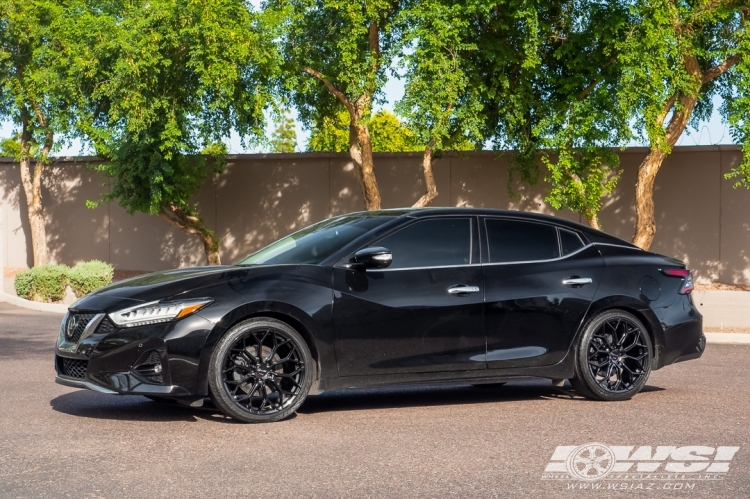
[
  {"x": 22, "y": 284},
  {"x": 89, "y": 276},
  {"x": 46, "y": 282}
]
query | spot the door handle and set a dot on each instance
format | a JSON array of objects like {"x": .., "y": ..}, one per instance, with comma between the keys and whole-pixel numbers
[
  {"x": 577, "y": 281},
  {"x": 462, "y": 289}
]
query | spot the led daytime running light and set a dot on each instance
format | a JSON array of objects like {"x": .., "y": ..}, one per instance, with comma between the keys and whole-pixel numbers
[{"x": 156, "y": 312}]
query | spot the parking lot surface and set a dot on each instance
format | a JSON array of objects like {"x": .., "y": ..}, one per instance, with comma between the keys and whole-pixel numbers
[{"x": 456, "y": 441}]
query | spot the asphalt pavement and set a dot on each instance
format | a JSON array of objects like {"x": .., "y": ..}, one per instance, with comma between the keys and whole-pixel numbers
[{"x": 456, "y": 441}]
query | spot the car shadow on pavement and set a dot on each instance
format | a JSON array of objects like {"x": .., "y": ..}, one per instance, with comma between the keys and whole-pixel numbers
[
  {"x": 89, "y": 404},
  {"x": 437, "y": 395}
]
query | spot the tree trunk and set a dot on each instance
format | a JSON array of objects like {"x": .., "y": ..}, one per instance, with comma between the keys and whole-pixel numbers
[
  {"x": 32, "y": 188},
  {"x": 429, "y": 179},
  {"x": 645, "y": 222},
  {"x": 593, "y": 221},
  {"x": 192, "y": 224},
  {"x": 360, "y": 150}
]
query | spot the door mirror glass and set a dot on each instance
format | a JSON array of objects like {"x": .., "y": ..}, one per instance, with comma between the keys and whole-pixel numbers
[{"x": 374, "y": 258}]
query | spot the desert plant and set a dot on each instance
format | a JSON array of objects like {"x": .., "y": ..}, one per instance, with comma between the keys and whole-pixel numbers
[{"x": 89, "y": 276}]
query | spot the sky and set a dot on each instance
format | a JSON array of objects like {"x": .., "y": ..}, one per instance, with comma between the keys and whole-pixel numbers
[{"x": 713, "y": 132}]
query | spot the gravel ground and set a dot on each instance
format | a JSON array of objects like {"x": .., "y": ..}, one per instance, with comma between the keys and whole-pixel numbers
[{"x": 457, "y": 441}]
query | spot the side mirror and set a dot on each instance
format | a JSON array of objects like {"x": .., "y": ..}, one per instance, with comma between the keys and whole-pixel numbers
[{"x": 372, "y": 258}]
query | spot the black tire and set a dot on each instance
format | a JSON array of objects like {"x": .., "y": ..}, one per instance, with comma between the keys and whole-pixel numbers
[
  {"x": 260, "y": 371},
  {"x": 613, "y": 357}
]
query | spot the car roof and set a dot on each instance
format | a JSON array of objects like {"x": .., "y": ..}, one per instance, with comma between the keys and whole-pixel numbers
[{"x": 592, "y": 234}]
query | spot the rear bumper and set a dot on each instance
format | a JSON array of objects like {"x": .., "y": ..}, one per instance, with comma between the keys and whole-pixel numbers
[{"x": 683, "y": 342}]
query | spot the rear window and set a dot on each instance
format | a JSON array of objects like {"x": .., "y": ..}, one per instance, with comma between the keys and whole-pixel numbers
[
  {"x": 569, "y": 242},
  {"x": 518, "y": 241}
]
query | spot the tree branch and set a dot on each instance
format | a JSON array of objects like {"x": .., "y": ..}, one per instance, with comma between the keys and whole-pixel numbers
[
  {"x": 332, "y": 88},
  {"x": 720, "y": 69}
]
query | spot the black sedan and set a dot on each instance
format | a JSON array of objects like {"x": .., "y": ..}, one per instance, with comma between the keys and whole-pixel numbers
[{"x": 389, "y": 297}]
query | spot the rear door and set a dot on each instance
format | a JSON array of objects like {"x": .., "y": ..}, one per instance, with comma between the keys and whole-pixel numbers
[
  {"x": 539, "y": 282},
  {"x": 408, "y": 318}
]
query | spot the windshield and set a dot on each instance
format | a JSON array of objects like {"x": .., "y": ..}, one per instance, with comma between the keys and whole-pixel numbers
[{"x": 317, "y": 242}]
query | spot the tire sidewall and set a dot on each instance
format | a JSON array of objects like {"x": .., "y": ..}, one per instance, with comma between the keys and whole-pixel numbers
[
  {"x": 583, "y": 377},
  {"x": 216, "y": 384}
]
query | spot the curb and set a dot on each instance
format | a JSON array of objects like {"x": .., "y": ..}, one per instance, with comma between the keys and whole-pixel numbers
[
  {"x": 34, "y": 305},
  {"x": 728, "y": 338}
]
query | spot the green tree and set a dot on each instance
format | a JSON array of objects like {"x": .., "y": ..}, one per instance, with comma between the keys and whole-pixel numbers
[
  {"x": 441, "y": 105},
  {"x": 545, "y": 76},
  {"x": 183, "y": 75},
  {"x": 284, "y": 137},
  {"x": 336, "y": 55},
  {"x": 676, "y": 57},
  {"x": 386, "y": 131},
  {"x": 40, "y": 61}
]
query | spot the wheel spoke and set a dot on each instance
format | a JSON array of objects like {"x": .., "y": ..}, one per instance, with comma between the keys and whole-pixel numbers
[
  {"x": 618, "y": 355},
  {"x": 266, "y": 362}
]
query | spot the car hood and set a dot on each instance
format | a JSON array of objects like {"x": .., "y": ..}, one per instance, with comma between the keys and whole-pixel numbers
[{"x": 167, "y": 284}]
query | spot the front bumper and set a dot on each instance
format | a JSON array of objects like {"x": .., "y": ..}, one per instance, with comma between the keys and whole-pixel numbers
[{"x": 159, "y": 360}]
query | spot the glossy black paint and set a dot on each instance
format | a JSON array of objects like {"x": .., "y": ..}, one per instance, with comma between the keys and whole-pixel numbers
[{"x": 389, "y": 326}]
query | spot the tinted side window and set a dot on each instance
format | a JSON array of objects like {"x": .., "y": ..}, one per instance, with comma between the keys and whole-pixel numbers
[
  {"x": 430, "y": 243},
  {"x": 516, "y": 241},
  {"x": 570, "y": 242}
]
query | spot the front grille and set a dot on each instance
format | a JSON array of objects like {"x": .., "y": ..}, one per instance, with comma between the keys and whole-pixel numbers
[
  {"x": 75, "y": 325},
  {"x": 74, "y": 368},
  {"x": 106, "y": 326}
]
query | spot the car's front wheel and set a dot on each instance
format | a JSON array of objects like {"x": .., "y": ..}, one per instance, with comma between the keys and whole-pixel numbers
[
  {"x": 613, "y": 357},
  {"x": 260, "y": 371}
]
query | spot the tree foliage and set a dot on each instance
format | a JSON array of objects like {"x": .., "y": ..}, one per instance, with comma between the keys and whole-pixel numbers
[
  {"x": 675, "y": 57},
  {"x": 182, "y": 75},
  {"x": 386, "y": 131},
  {"x": 337, "y": 54},
  {"x": 284, "y": 139},
  {"x": 40, "y": 72}
]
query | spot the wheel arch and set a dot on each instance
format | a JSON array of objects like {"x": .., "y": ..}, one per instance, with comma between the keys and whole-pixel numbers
[
  {"x": 283, "y": 312},
  {"x": 640, "y": 310}
]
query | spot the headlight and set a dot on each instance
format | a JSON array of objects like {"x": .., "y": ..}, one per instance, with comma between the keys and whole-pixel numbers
[{"x": 154, "y": 312}]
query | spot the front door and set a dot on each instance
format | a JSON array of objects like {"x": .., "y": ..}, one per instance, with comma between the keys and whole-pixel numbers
[
  {"x": 421, "y": 314},
  {"x": 539, "y": 283}
]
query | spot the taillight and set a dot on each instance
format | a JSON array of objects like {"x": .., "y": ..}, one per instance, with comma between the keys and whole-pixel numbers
[{"x": 685, "y": 274}]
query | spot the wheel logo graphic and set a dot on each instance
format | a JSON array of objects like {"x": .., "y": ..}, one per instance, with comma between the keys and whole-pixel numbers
[{"x": 591, "y": 462}]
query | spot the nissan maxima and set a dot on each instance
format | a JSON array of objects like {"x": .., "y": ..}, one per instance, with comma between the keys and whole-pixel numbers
[{"x": 391, "y": 297}]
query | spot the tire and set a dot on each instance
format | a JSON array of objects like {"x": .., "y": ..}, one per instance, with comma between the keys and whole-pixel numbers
[
  {"x": 613, "y": 357},
  {"x": 260, "y": 371}
]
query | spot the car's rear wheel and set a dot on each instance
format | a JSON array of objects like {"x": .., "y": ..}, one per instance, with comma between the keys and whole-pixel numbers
[
  {"x": 260, "y": 371},
  {"x": 613, "y": 357}
]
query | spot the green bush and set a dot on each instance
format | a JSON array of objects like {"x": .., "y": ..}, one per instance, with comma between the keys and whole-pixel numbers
[
  {"x": 89, "y": 276},
  {"x": 45, "y": 283},
  {"x": 48, "y": 282},
  {"x": 22, "y": 284}
]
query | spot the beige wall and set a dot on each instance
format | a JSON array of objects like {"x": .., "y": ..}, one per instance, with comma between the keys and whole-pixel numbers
[{"x": 701, "y": 218}]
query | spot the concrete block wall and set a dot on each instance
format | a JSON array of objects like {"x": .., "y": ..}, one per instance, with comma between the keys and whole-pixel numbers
[{"x": 262, "y": 197}]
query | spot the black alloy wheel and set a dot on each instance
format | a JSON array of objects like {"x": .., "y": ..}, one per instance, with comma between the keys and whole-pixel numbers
[
  {"x": 261, "y": 371},
  {"x": 613, "y": 357}
]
